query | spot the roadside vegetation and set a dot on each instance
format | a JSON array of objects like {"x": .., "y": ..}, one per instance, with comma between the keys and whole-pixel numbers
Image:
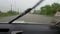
[
  {"x": 8, "y": 13},
  {"x": 48, "y": 10}
]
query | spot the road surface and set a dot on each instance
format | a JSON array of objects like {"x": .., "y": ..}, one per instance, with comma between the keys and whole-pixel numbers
[{"x": 28, "y": 18}]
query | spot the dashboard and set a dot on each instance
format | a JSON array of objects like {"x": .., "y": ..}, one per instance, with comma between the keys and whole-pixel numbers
[{"x": 26, "y": 29}]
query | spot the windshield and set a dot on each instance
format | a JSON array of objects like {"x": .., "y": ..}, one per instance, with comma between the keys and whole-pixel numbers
[{"x": 45, "y": 13}]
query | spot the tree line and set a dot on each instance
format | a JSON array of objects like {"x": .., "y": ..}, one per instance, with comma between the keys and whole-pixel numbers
[
  {"x": 49, "y": 10},
  {"x": 8, "y": 13}
]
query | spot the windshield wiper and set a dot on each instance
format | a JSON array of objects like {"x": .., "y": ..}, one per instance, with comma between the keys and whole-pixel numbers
[{"x": 26, "y": 11}]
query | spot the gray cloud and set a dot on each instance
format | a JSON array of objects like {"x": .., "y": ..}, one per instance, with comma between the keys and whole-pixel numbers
[{"x": 22, "y": 4}]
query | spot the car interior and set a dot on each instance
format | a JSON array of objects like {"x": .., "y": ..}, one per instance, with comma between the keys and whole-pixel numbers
[{"x": 25, "y": 28}]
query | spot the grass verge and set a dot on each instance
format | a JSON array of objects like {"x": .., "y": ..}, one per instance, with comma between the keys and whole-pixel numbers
[{"x": 7, "y": 14}]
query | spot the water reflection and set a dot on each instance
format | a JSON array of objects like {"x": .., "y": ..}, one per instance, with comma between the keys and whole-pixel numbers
[{"x": 19, "y": 22}]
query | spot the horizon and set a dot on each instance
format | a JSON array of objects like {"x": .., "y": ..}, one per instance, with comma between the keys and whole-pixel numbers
[{"x": 22, "y": 5}]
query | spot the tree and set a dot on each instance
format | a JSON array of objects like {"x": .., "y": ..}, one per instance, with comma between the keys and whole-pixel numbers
[
  {"x": 0, "y": 12},
  {"x": 12, "y": 12},
  {"x": 50, "y": 9},
  {"x": 57, "y": 6},
  {"x": 46, "y": 10}
]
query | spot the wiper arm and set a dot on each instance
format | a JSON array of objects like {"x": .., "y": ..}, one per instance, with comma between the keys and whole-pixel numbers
[{"x": 27, "y": 11}]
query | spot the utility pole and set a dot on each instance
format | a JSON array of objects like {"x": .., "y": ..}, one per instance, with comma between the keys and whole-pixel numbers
[
  {"x": 18, "y": 10},
  {"x": 11, "y": 5},
  {"x": 13, "y": 2}
]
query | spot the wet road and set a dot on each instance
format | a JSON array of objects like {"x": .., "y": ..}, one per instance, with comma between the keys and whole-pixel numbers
[
  {"x": 29, "y": 18},
  {"x": 29, "y": 29}
]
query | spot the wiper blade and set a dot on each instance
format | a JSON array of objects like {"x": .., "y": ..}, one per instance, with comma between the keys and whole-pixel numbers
[
  {"x": 37, "y": 4},
  {"x": 26, "y": 11}
]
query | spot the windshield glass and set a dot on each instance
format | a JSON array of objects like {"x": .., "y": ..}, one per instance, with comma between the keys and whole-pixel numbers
[{"x": 45, "y": 13}]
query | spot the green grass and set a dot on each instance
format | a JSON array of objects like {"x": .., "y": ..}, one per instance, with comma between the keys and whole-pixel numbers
[{"x": 7, "y": 14}]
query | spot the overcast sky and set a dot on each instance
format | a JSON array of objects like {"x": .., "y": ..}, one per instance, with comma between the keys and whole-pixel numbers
[{"x": 22, "y": 4}]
